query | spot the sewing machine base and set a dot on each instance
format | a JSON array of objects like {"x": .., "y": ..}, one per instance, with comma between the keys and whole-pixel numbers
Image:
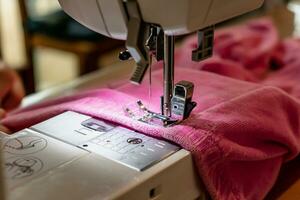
[{"x": 61, "y": 160}]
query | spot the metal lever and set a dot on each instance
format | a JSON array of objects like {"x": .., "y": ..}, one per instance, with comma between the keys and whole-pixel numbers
[
  {"x": 205, "y": 44},
  {"x": 137, "y": 36}
]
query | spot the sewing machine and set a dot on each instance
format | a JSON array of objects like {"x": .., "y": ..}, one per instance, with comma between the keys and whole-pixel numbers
[
  {"x": 149, "y": 28},
  {"x": 75, "y": 156}
]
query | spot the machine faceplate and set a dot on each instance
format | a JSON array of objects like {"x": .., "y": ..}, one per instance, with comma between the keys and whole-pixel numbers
[{"x": 114, "y": 142}]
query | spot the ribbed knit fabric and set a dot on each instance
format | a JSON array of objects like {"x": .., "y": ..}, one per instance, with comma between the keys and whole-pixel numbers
[{"x": 246, "y": 124}]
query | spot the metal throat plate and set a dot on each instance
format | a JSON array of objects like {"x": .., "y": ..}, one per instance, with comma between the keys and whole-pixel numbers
[{"x": 111, "y": 141}]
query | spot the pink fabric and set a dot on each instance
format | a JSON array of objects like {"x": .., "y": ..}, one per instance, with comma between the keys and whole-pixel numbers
[{"x": 246, "y": 124}]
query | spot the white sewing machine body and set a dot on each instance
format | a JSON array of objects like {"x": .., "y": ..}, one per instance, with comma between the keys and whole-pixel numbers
[
  {"x": 176, "y": 17},
  {"x": 47, "y": 162}
]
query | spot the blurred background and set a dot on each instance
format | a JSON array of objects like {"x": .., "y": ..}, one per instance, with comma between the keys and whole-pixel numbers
[
  {"x": 37, "y": 38},
  {"x": 48, "y": 48}
]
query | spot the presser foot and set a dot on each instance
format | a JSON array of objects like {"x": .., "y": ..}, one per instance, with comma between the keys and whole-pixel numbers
[{"x": 141, "y": 113}]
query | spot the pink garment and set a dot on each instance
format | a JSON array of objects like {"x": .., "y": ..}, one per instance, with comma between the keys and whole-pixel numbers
[{"x": 240, "y": 133}]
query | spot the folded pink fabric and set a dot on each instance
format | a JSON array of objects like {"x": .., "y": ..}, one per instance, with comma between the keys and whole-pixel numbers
[{"x": 240, "y": 133}]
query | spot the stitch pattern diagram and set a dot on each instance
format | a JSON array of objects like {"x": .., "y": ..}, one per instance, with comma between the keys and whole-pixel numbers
[
  {"x": 25, "y": 145},
  {"x": 18, "y": 168}
]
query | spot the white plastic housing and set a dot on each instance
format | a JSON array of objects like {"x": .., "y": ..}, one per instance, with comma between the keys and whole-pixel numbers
[{"x": 176, "y": 17}]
